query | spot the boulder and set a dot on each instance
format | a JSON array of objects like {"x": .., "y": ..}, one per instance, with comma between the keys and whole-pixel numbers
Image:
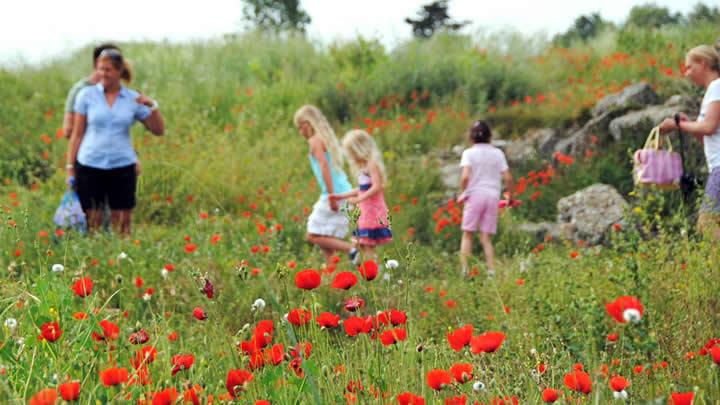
[
  {"x": 536, "y": 143},
  {"x": 540, "y": 230},
  {"x": 450, "y": 174},
  {"x": 639, "y": 123},
  {"x": 587, "y": 214},
  {"x": 632, "y": 97}
]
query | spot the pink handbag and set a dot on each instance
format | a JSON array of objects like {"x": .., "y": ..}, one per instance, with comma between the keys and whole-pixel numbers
[{"x": 655, "y": 166}]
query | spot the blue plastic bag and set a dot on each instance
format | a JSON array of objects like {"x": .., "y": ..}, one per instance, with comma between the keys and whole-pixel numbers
[{"x": 70, "y": 214}]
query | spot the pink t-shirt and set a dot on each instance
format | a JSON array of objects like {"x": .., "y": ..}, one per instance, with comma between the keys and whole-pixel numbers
[{"x": 487, "y": 163}]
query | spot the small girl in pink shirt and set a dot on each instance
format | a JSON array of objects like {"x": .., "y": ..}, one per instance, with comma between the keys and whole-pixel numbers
[{"x": 483, "y": 168}]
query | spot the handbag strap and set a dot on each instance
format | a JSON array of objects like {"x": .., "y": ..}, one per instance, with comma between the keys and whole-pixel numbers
[
  {"x": 682, "y": 141},
  {"x": 652, "y": 139}
]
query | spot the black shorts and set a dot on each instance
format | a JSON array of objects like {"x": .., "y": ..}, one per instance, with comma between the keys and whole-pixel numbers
[{"x": 98, "y": 188}]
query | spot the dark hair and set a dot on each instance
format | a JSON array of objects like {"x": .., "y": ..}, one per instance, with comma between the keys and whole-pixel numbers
[
  {"x": 98, "y": 50},
  {"x": 480, "y": 132}
]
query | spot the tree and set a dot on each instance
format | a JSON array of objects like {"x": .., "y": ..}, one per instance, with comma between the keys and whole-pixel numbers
[
  {"x": 651, "y": 16},
  {"x": 276, "y": 15},
  {"x": 432, "y": 18},
  {"x": 703, "y": 13},
  {"x": 584, "y": 28}
]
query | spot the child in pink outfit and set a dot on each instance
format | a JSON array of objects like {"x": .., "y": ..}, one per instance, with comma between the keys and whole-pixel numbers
[{"x": 484, "y": 167}]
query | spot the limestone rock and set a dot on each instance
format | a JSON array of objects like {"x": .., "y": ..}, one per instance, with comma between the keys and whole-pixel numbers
[{"x": 587, "y": 214}]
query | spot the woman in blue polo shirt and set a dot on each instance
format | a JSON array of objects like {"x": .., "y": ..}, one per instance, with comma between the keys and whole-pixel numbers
[{"x": 101, "y": 157}]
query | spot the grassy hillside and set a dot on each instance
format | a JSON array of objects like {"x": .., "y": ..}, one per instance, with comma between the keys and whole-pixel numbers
[{"x": 224, "y": 197}]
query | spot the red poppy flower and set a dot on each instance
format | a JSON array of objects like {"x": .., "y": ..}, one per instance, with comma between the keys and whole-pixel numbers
[
  {"x": 47, "y": 396},
  {"x": 356, "y": 325},
  {"x": 302, "y": 348},
  {"x": 139, "y": 337},
  {"x": 114, "y": 376},
  {"x": 167, "y": 396},
  {"x": 408, "y": 398},
  {"x": 488, "y": 342},
  {"x": 275, "y": 354},
  {"x": 236, "y": 381},
  {"x": 199, "y": 314},
  {"x": 70, "y": 391},
  {"x": 392, "y": 336},
  {"x": 182, "y": 362},
  {"x": 462, "y": 372},
  {"x": 263, "y": 333},
  {"x": 715, "y": 353},
  {"x": 344, "y": 280},
  {"x": 144, "y": 356},
  {"x": 352, "y": 304},
  {"x": 83, "y": 287},
  {"x": 578, "y": 381},
  {"x": 50, "y": 331},
  {"x": 369, "y": 270},
  {"x": 299, "y": 316},
  {"x": 208, "y": 289},
  {"x": 618, "y": 383},
  {"x": 307, "y": 279},
  {"x": 612, "y": 337},
  {"x": 682, "y": 398},
  {"x": 328, "y": 320},
  {"x": 190, "y": 247},
  {"x": 625, "y": 308},
  {"x": 110, "y": 331},
  {"x": 438, "y": 379},
  {"x": 460, "y": 337},
  {"x": 549, "y": 395}
]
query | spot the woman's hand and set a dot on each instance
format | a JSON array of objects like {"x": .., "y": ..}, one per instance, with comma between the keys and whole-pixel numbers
[
  {"x": 354, "y": 200},
  {"x": 334, "y": 205},
  {"x": 70, "y": 176},
  {"x": 668, "y": 125},
  {"x": 145, "y": 100}
]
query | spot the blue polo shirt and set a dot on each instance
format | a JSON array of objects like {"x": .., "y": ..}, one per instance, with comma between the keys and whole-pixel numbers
[{"x": 107, "y": 144}]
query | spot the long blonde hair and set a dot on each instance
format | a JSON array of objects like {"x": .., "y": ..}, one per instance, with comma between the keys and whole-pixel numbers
[
  {"x": 707, "y": 54},
  {"x": 359, "y": 145},
  {"x": 322, "y": 128}
]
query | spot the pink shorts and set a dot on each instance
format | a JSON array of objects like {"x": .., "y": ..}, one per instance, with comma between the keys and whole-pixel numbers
[{"x": 480, "y": 213}]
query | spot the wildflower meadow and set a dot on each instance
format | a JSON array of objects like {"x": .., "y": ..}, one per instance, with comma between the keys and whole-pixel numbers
[{"x": 217, "y": 297}]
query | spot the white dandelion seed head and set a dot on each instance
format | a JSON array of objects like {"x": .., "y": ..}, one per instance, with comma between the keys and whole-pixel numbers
[
  {"x": 478, "y": 386},
  {"x": 258, "y": 305},
  {"x": 11, "y": 324},
  {"x": 632, "y": 315},
  {"x": 400, "y": 282},
  {"x": 620, "y": 394},
  {"x": 122, "y": 256},
  {"x": 164, "y": 273},
  {"x": 533, "y": 351},
  {"x": 392, "y": 264},
  {"x": 146, "y": 297},
  {"x": 57, "y": 268},
  {"x": 386, "y": 276}
]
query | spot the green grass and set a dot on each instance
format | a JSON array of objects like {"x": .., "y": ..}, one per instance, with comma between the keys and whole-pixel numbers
[{"x": 232, "y": 165}]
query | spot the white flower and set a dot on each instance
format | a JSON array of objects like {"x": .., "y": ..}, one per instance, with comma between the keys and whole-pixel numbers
[
  {"x": 620, "y": 394},
  {"x": 285, "y": 318},
  {"x": 57, "y": 268},
  {"x": 122, "y": 256},
  {"x": 11, "y": 324},
  {"x": 392, "y": 264},
  {"x": 632, "y": 315},
  {"x": 533, "y": 351},
  {"x": 478, "y": 386},
  {"x": 386, "y": 276},
  {"x": 146, "y": 297},
  {"x": 400, "y": 282},
  {"x": 164, "y": 273},
  {"x": 20, "y": 342},
  {"x": 258, "y": 305}
]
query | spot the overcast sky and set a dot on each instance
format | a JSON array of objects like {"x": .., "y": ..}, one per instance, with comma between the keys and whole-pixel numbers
[{"x": 34, "y": 30}]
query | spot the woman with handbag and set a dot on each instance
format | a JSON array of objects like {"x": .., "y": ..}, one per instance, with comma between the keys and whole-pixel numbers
[
  {"x": 101, "y": 157},
  {"x": 703, "y": 68}
]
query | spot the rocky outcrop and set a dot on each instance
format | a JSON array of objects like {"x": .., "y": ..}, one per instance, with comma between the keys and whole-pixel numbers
[
  {"x": 638, "y": 124},
  {"x": 633, "y": 97},
  {"x": 587, "y": 214},
  {"x": 536, "y": 143}
]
